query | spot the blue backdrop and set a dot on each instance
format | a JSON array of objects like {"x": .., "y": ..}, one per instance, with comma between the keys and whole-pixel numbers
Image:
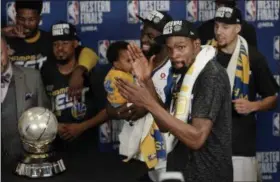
[{"x": 101, "y": 22}]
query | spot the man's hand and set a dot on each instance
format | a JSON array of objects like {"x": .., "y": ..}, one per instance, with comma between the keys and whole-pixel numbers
[
  {"x": 126, "y": 112},
  {"x": 138, "y": 95},
  {"x": 61, "y": 129},
  {"x": 13, "y": 31},
  {"x": 243, "y": 106},
  {"x": 142, "y": 68},
  {"x": 73, "y": 131},
  {"x": 135, "y": 112},
  {"x": 118, "y": 113},
  {"x": 76, "y": 82}
]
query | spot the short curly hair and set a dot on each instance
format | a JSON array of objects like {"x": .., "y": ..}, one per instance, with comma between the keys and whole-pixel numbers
[
  {"x": 34, "y": 5},
  {"x": 114, "y": 49}
]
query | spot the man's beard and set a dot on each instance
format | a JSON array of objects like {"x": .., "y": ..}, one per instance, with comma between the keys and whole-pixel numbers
[
  {"x": 183, "y": 69},
  {"x": 154, "y": 50},
  {"x": 62, "y": 61},
  {"x": 32, "y": 33},
  {"x": 180, "y": 71},
  {"x": 222, "y": 46}
]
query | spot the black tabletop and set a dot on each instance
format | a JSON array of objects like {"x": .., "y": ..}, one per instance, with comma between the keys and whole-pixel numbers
[{"x": 98, "y": 167}]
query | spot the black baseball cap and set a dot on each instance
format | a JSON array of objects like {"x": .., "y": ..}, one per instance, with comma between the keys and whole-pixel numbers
[
  {"x": 64, "y": 31},
  {"x": 34, "y": 5},
  {"x": 156, "y": 19},
  {"x": 182, "y": 28},
  {"x": 228, "y": 15}
]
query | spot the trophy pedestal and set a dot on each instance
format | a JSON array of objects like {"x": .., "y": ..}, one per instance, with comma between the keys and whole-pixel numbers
[{"x": 40, "y": 165}]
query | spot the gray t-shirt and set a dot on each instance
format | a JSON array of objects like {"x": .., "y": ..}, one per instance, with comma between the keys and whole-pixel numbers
[{"x": 211, "y": 100}]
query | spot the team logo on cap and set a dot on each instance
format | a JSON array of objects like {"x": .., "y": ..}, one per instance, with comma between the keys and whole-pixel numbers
[
  {"x": 224, "y": 12},
  {"x": 192, "y": 11},
  {"x": 73, "y": 12},
  {"x": 11, "y": 13},
  {"x": 276, "y": 124},
  {"x": 66, "y": 31},
  {"x": 276, "y": 48},
  {"x": 173, "y": 26},
  {"x": 251, "y": 10},
  {"x": 60, "y": 29},
  {"x": 177, "y": 28},
  {"x": 154, "y": 16},
  {"x": 228, "y": 14}
]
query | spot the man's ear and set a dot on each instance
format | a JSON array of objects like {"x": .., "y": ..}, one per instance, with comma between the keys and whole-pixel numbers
[
  {"x": 197, "y": 43},
  {"x": 76, "y": 43},
  {"x": 238, "y": 28}
]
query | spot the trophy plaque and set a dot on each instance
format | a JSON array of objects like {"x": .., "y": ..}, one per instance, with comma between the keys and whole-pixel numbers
[{"x": 38, "y": 128}]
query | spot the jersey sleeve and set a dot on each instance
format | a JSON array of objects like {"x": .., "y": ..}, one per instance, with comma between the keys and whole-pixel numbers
[{"x": 88, "y": 58}]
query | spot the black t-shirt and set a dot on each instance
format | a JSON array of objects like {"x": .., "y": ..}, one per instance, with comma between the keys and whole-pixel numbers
[
  {"x": 206, "y": 32},
  {"x": 31, "y": 54},
  {"x": 211, "y": 100},
  {"x": 261, "y": 82},
  {"x": 92, "y": 101}
]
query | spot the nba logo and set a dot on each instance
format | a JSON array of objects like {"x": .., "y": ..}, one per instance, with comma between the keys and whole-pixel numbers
[
  {"x": 102, "y": 50},
  {"x": 132, "y": 11},
  {"x": 276, "y": 48},
  {"x": 276, "y": 124},
  {"x": 251, "y": 10},
  {"x": 73, "y": 11},
  {"x": 105, "y": 133},
  {"x": 192, "y": 11},
  {"x": 11, "y": 13}
]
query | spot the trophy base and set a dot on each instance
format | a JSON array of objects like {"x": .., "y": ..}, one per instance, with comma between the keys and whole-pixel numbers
[{"x": 40, "y": 165}]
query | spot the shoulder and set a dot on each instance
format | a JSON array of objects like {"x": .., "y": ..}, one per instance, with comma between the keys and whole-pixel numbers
[
  {"x": 215, "y": 73},
  {"x": 248, "y": 26},
  {"x": 255, "y": 56},
  {"x": 14, "y": 42},
  {"x": 84, "y": 50},
  {"x": 163, "y": 67},
  {"x": 213, "y": 68},
  {"x": 254, "y": 53}
]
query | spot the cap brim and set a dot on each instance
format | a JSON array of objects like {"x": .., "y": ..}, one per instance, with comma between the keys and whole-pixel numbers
[
  {"x": 66, "y": 38},
  {"x": 162, "y": 38},
  {"x": 227, "y": 21}
]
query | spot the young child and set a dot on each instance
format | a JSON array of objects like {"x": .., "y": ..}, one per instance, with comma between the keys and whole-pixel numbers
[{"x": 117, "y": 55}]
